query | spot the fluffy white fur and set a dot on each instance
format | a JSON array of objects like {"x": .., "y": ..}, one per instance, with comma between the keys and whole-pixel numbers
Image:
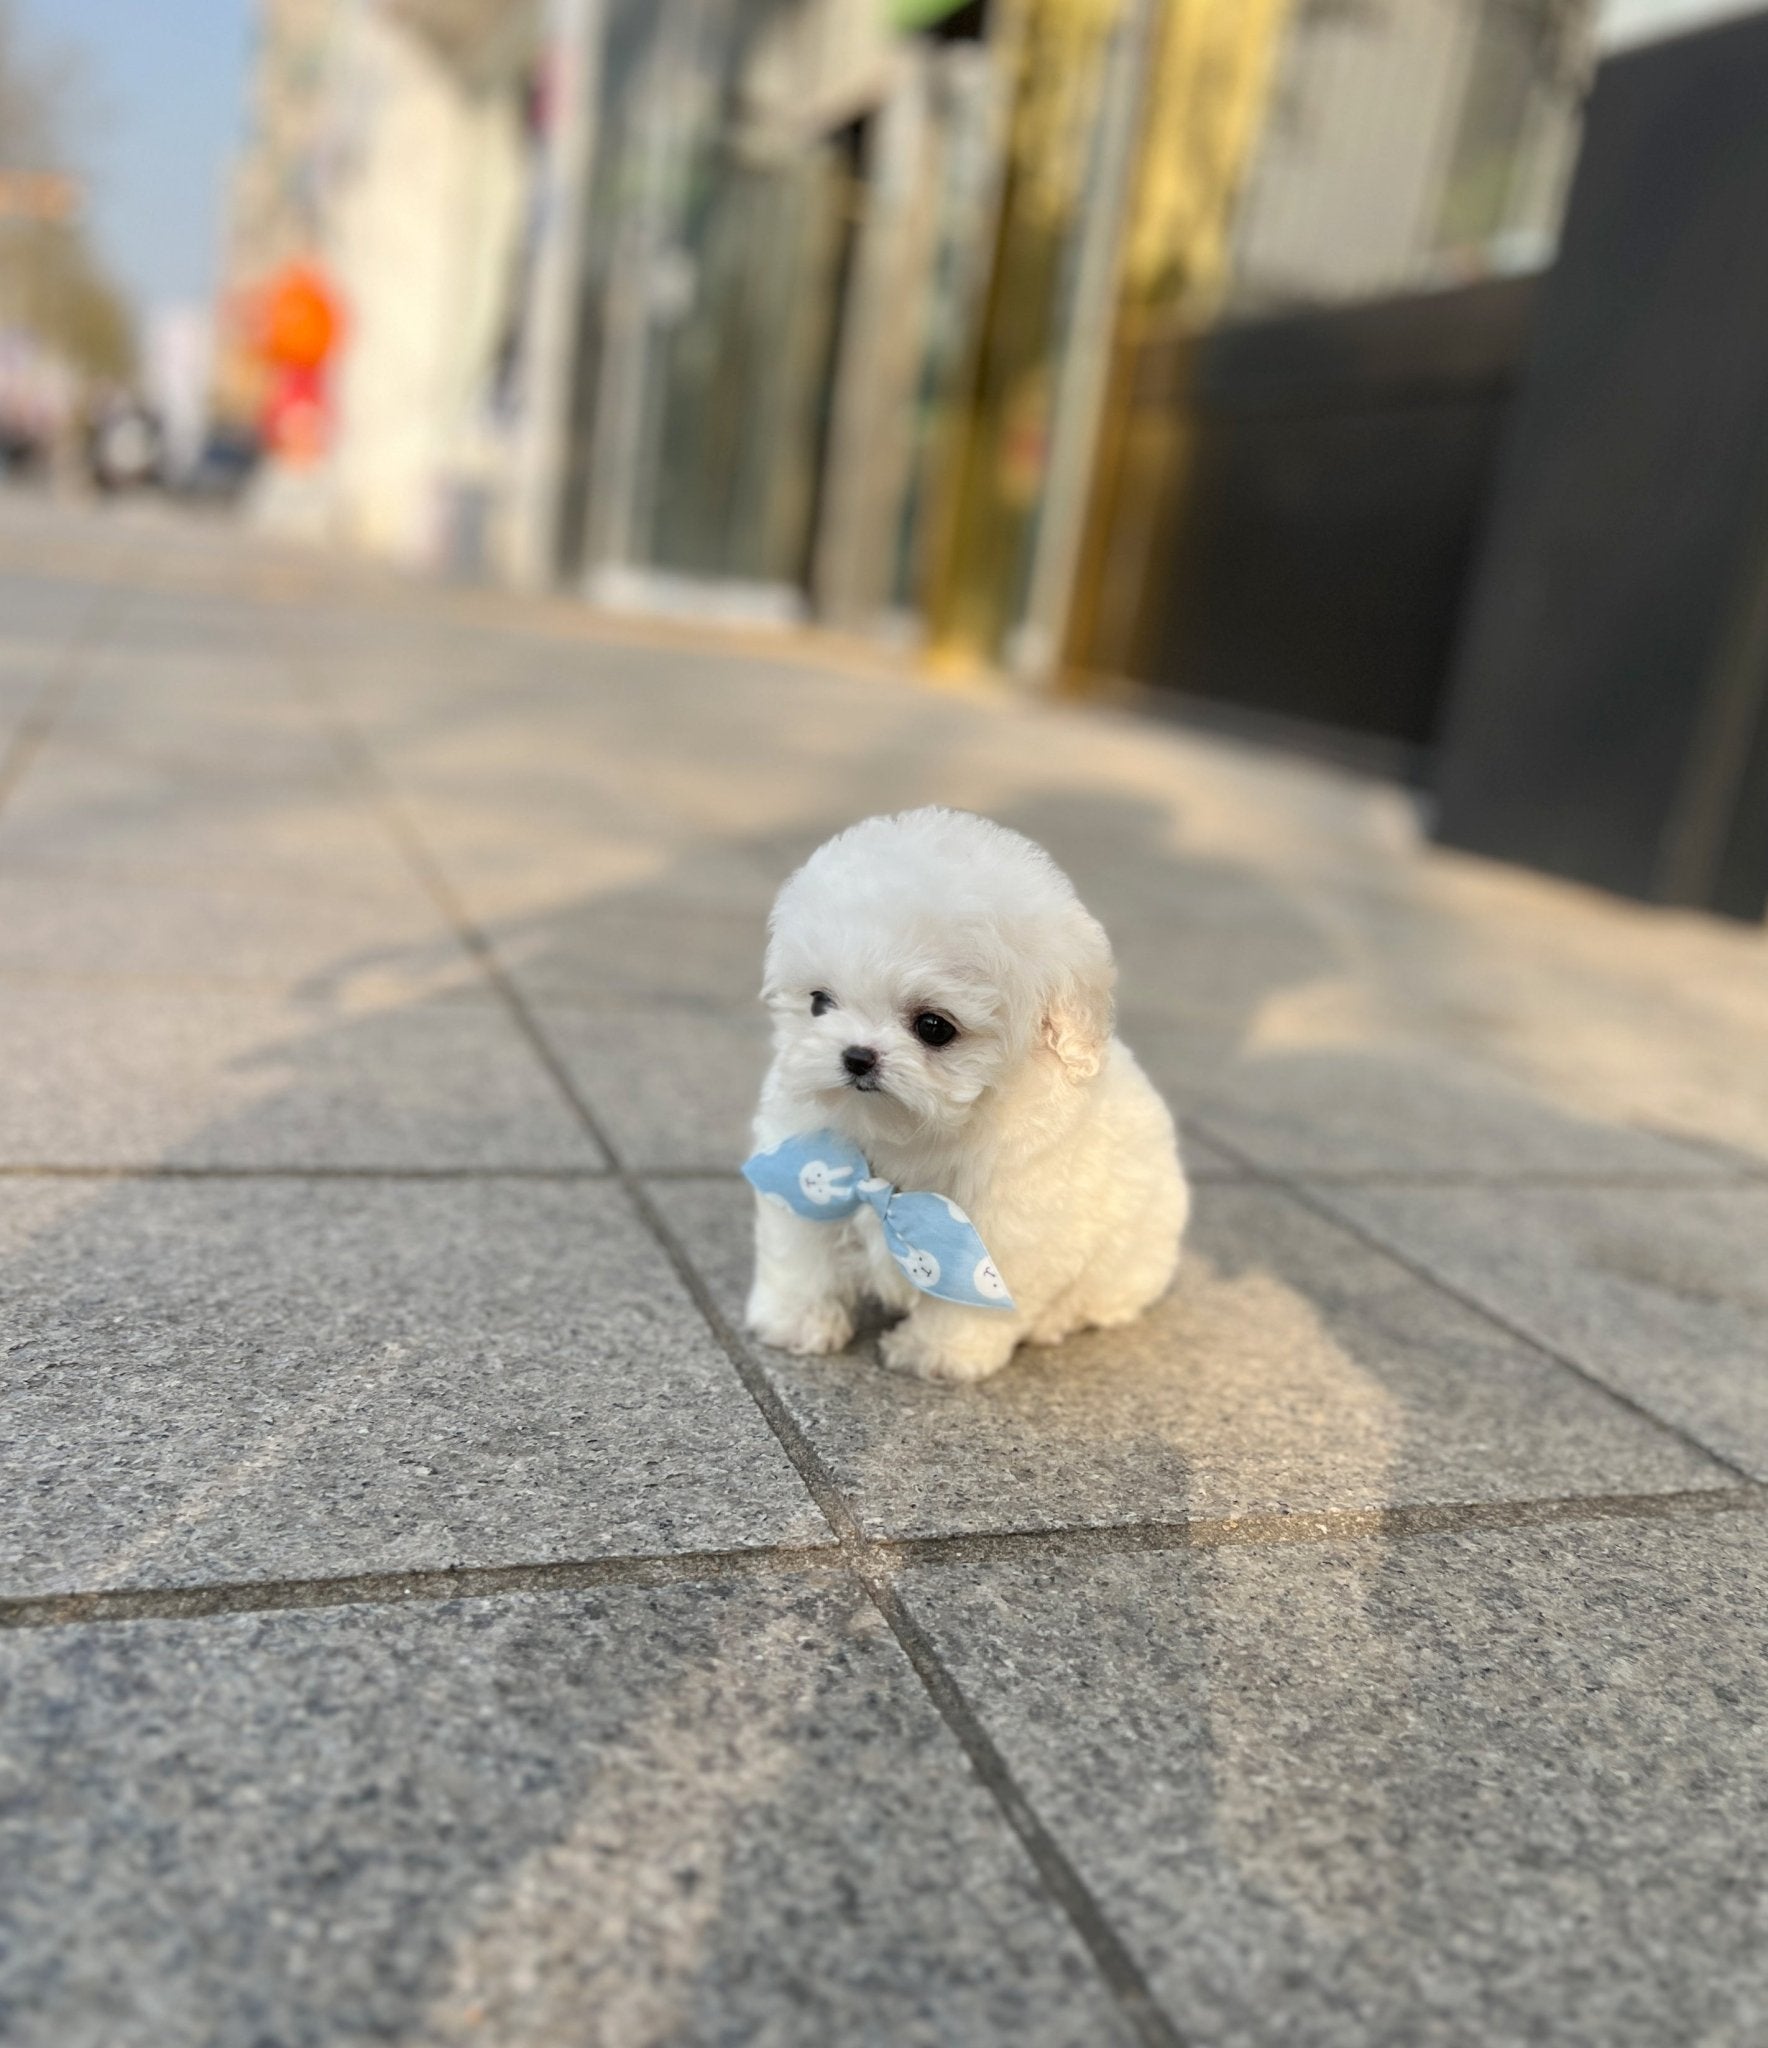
[{"x": 1035, "y": 1118}]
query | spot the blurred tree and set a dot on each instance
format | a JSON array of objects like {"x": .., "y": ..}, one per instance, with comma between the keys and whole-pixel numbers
[{"x": 52, "y": 284}]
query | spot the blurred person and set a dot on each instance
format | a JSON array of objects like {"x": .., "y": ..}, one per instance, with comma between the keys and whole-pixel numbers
[
  {"x": 124, "y": 443},
  {"x": 177, "y": 365},
  {"x": 300, "y": 325}
]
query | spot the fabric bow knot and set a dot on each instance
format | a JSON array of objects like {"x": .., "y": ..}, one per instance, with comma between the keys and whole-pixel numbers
[{"x": 822, "y": 1177}]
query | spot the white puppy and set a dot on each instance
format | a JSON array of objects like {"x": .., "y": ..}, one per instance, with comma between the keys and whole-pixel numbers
[{"x": 942, "y": 1000}]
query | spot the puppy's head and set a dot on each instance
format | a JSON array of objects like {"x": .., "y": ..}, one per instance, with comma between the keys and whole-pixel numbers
[{"x": 916, "y": 962}]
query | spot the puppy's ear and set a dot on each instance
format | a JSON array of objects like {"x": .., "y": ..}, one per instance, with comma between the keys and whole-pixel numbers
[{"x": 1078, "y": 1011}]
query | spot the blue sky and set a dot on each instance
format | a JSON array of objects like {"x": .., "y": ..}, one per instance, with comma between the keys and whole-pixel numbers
[{"x": 162, "y": 106}]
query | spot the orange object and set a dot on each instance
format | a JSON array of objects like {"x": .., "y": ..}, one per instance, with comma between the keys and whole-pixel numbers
[{"x": 302, "y": 318}]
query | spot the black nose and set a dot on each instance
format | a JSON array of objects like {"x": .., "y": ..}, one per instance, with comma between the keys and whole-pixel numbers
[{"x": 859, "y": 1059}]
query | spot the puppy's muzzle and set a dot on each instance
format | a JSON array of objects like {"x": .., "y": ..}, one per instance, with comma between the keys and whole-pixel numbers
[{"x": 861, "y": 1065}]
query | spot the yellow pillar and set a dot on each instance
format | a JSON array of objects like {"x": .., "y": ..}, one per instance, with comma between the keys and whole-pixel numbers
[
  {"x": 994, "y": 462},
  {"x": 1205, "y": 112}
]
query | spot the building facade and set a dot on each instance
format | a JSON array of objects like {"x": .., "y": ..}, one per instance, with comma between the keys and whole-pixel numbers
[
  {"x": 1175, "y": 343},
  {"x": 878, "y": 313},
  {"x": 390, "y": 144}
]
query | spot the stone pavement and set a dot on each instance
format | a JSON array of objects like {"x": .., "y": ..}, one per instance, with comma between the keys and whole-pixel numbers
[{"x": 423, "y": 1619}]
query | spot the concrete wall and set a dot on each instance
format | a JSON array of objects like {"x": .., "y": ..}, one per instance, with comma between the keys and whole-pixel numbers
[{"x": 423, "y": 236}]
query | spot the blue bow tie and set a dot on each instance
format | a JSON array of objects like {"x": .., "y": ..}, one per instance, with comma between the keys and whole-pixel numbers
[{"x": 823, "y": 1177}]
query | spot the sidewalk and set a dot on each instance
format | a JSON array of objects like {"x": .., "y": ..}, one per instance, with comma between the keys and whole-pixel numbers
[{"x": 423, "y": 1619}]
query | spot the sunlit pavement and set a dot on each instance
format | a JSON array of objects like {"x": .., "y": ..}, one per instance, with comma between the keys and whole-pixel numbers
[{"x": 427, "y": 1620}]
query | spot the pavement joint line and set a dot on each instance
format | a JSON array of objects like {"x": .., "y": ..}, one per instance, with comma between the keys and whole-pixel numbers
[
  {"x": 400, "y": 1588},
  {"x": 875, "y": 1557},
  {"x": 1712, "y": 1148},
  {"x": 727, "y": 1176},
  {"x": 1231, "y": 1174},
  {"x": 1299, "y": 1191},
  {"x": 878, "y": 1559},
  {"x": 1265, "y": 1529},
  {"x": 1451, "y": 1177},
  {"x": 66, "y": 672},
  {"x": 1116, "y": 1966},
  {"x": 1111, "y": 1956},
  {"x": 174, "y": 1171},
  {"x": 297, "y": 988},
  {"x": 108, "y": 980}
]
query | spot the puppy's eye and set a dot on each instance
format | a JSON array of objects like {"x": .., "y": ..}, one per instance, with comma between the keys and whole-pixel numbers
[
  {"x": 820, "y": 1000},
  {"x": 933, "y": 1029}
]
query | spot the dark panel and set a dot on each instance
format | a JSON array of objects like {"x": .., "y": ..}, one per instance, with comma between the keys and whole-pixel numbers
[
  {"x": 1468, "y": 339},
  {"x": 1609, "y": 683},
  {"x": 1740, "y": 881},
  {"x": 1327, "y": 559},
  {"x": 1338, "y": 467}
]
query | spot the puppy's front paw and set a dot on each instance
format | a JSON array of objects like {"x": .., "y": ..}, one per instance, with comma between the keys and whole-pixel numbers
[
  {"x": 809, "y": 1328},
  {"x": 951, "y": 1353}
]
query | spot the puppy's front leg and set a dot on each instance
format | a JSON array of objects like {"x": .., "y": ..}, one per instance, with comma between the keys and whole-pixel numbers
[
  {"x": 801, "y": 1299},
  {"x": 940, "y": 1340}
]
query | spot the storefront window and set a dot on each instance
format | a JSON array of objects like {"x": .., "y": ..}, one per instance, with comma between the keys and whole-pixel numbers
[{"x": 1410, "y": 144}]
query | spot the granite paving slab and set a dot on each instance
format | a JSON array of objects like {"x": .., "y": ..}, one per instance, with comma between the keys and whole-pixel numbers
[
  {"x": 362, "y": 1301},
  {"x": 88, "y": 813},
  {"x": 166, "y": 623},
  {"x": 673, "y": 1088},
  {"x": 21, "y": 689},
  {"x": 702, "y": 1815},
  {"x": 1291, "y": 1370},
  {"x": 136, "y": 1076},
  {"x": 197, "y": 748},
  {"x": 546, "y": 869},
  {"x": 1185, "y": 963},
  {"x": 525, "y": 871},
  {"x": 193, "y": 709},
  {"x": 72, "y": 925},
  {"x": 188, "y": 736},
  {"x": 41, "y": 610},
  {"x": 1373, "y": 1109},
  {"x": 630, "y": 952},
  {"x": 1488, "y": 1786},
  {"x": 211, "y": 1380},
  {"x": 1659, "y": 1292}
]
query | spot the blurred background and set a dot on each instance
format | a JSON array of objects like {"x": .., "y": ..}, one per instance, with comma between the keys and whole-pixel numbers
[{"x": 1384, "y": 378}]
